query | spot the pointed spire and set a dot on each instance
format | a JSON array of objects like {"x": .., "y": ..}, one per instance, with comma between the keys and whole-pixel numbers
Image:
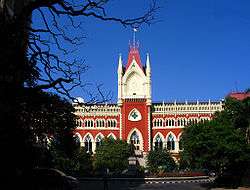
[
  {"x": 134, "y": 54},
  {"x": 148, "y": 69}
]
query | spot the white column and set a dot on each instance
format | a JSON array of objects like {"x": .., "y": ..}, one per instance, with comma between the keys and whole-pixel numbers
[
  {"x": 164, "y": 144},
  {"x": 176, "y": 146},
  {"x": 93, "y": 147}
]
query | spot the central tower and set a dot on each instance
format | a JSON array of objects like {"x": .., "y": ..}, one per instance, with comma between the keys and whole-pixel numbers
[
  {"x": 134, "y": 81},
  {"x": 134, "y": 98}
]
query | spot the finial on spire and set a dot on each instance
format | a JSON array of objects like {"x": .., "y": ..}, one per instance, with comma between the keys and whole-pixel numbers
[
  {"x": 135, "y": 30},
  {"x": 134, "y": 45}
]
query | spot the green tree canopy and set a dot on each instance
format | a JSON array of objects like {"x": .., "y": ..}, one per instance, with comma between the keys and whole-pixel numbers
[
  {"x": 160, "y": 160},
  {"x": 221, "y": 144},
  {"x": 113, "y": 154}
]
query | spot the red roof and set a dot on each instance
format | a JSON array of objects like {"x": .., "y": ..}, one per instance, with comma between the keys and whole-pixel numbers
[
  {"x": 134, "y": 54},
  {"x": 239, "y": 95}
]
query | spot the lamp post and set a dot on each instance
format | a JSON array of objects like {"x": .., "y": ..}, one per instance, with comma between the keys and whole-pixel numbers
[{"x": 132, "y": 161}]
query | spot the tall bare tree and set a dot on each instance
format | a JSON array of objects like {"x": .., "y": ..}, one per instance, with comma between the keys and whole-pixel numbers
[
  {"x": 44, "y": 45},
  {"x": 36, "y": 57}
]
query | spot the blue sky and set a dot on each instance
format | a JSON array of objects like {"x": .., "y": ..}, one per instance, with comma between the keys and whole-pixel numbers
[{"x": 199, "y": 50}]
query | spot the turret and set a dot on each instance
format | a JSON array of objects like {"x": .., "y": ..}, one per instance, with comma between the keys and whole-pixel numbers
[
  {"x": 148, "y": 68},
  {"x": 120, "y": 73},
  {"x": 148, "y": 76}
]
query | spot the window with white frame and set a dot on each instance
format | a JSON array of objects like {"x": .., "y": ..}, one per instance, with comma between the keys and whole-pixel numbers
[
  {"x": 170, "y": 142},
  {"x": 98, "y": 142},
  {"x": 158, "y": 122},
  {"x": 158, "y": 143},
  {"x": 77, "y": 140},
  {"x": 170, "y": 122},
  {"x": 111, "y": 123},
  {"x": 78, "y": 122},
  {"x": 88, "y": 144},
  {"x": 89, "y": 123},
  {"x": 100, "y": 123},
  {"x": 135, "y": 140}
]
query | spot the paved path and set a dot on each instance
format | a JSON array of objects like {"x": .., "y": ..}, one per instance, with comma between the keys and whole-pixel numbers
[
  {"x": 179, "y": 181},
  {"x": 155, "y": 185}
]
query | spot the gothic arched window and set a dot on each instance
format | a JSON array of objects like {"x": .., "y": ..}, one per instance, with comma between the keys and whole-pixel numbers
[
  {"x": 170, "y": 142},
  {"x": 98, "y": 140},
  {"x": 77, "y": 140},
  {"x": 158, "y": 143},
  {"x": 135, "y": 140},
  {"x": 88, "y": 144},
  {"x": 111, "y": 137}
]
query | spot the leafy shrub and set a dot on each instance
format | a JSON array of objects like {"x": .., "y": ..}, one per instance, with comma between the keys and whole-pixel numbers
[
  {"x": 112, "y": 155},
  {"x": 160, "y": 160}
]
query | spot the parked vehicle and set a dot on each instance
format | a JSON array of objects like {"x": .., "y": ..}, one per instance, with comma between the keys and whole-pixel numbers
[{"x": 51, "y": 179}]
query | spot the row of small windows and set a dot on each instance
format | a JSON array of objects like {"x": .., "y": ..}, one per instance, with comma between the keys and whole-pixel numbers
[
  {"x": 97, "y": 110},
  {"x": 159, "y": 122},
  {"x": 186, "y": 108},
  {"x": 100, "y": 123},
  {"x": 78, "y": 122}
]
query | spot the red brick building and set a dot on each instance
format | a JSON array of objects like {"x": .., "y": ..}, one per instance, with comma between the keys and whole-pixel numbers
[{"x": 135, "y": 118}]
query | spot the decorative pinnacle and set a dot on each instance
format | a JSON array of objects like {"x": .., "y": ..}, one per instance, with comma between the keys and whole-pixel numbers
[{"x": 120, "y": 62}]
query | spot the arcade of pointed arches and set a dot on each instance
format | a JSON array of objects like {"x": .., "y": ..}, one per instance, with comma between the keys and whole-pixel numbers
[
  {"x": 90, "y": 143},
  {"x": 170, "y": 142}
]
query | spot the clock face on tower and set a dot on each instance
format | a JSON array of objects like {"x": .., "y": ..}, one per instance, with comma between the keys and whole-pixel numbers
[
  {"x": 134, "y": 115},
  {"x": 134, "y": 85}
]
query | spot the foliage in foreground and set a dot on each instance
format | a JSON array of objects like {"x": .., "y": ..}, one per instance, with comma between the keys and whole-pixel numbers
[
  {"x": 80, "y": 165},
  {"x": 160, "y": 160},
  {"x": 112, "y": 154},
  {"x": 41, "y": 116},
  {"x": 222, "y": 144},
  {"x": 36, "y": 57}
]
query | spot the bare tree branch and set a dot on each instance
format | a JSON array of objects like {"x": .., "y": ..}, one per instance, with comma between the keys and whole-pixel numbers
[{"x": 48, "y": 46}]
